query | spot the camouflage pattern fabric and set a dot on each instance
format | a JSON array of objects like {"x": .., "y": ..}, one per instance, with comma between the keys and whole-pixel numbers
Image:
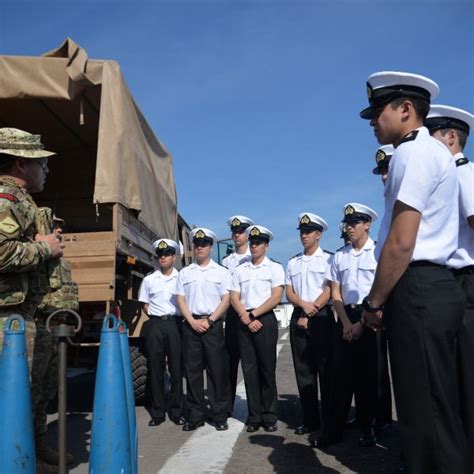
[
  {"x": 16, "y": 142},
  {"x": 44, "y": 375}
]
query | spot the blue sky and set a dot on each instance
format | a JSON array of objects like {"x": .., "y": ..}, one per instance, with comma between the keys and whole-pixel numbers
[{"x": 258, "y": 101}]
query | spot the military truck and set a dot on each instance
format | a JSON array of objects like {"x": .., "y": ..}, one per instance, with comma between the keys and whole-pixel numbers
[{"x": 112, "y": 180}]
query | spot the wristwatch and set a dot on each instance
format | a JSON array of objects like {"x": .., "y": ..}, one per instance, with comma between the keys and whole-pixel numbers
[
  {"x": 369, "y": 307},
  {"x": 211, "y": 322}
]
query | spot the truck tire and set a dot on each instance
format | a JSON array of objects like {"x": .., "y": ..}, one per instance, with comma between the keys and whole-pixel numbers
[{"x": 139, "y": 371}]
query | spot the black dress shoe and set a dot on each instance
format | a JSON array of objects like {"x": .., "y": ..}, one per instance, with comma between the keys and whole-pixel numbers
[
  {"x": 270, "y": 427},
  {"x": 303, "y": 429},
  {"x": 192, "y": 426},
  {"x": 180, "y": 421},
  {"x": 221, "y": 426},
  {"x": 252, "y": 427},
  {"x": 367, "y": 440},
  {"x": 323, "y": 441},
  {"x": 156, "y": 421}
]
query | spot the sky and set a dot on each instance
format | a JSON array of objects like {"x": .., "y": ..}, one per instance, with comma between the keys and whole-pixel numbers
[{"x": 258, "y": 101}]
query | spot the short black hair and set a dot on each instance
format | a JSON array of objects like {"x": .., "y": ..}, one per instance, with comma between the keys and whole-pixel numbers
[
  {"x": 421, "y": 106},
  {"x": 462, "y": 135},
  {"x": 6, "y": 162}
]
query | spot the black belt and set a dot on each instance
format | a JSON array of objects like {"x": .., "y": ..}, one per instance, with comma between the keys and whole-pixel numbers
[
  {"x": 425, "y": 263},
  {"x": 469, "y": 270},
  {"x": 165, "y": 317},
  {"x": 201, "y": 316}
]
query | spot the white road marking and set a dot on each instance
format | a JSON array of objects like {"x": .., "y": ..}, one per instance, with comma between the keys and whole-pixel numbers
[{"x": 197, "y": 455}]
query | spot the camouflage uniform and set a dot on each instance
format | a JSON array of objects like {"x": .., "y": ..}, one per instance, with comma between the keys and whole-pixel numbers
[{"x": 62, "y": 294}]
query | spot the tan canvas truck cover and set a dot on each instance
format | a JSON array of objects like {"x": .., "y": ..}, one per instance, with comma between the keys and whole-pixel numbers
[{"x": 84, "y": 111}]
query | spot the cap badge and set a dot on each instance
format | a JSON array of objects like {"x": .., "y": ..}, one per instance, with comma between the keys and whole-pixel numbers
[
  {"x": 305, "y": 219},
  {"x": 199, "y": 234},
  {"x": 349, "y": 210},
  {"x": 162, "y": 245},
  {"x": 369, "y": 91},
  {"x": 255, "y": 232},
  {"x": 236, "y": 222},
  {"x": 380, "y": 156}
]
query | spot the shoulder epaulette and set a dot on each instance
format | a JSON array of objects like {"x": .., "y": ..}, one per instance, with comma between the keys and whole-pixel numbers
[
  {"x": 459, "y": 162},
  {"x": 341, "y": 248},
  {"x": 276, "y": 261},
  {"x": 329, "y": 252},
  {"x": 410, "y": 137},
  {"x": 297, "y": 255}
]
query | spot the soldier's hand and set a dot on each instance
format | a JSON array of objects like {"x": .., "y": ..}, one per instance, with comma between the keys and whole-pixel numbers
[
  {"x": 198, "y": 326},
  {"x": 357, "y": 330},
  {"x": 373, "y": 319},
  {"x": 347, "y": 331},
  {"x": 54, "y": 242},
  {"x": 309, "y": 309},
  {"x": 245, "y": 318},
  {"x": 302, "y": 323},
  {"x": 255, "y": 326}
]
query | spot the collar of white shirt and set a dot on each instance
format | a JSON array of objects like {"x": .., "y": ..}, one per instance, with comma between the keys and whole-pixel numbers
[
  {"x": 458, "y": 155},
  {"x": 369, "y": 245},
  {"x": 210, "y": 265},
  {"x": 318, "y": 253},
  {"x": 265, "y": 262}
]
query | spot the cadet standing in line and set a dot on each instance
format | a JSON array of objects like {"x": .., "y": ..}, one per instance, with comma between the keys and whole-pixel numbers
[
  {"x": 382, "y": 160},
  {"x": 203, "y": 294},
  {"x": 451, "y": 126},
  {"x": 163, "y": 336},
  {"x": 384, "y": 411},
  {"x": 23, "y": 251},
  {"x": 62, "y": 294},
  {"x": 355, "y": 368},
  {"x": 237, "y": 224},
  {"x": 418, "y": 297},
  {"x": 312, "y": 323},
  {"x": 257, "y": 288}
]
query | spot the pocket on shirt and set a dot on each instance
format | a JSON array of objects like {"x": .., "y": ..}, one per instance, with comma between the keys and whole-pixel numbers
[{"x": 214, "y": 285}]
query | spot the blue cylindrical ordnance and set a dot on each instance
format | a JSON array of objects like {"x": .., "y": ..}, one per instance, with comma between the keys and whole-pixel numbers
[
  {"x": 17, "y": 446},
  {"x": 132, "y": 419},
  {"x": 110, "y": 438}
]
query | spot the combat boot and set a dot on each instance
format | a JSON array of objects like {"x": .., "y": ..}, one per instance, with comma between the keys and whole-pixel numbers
[{"x": 47, "y": 454}]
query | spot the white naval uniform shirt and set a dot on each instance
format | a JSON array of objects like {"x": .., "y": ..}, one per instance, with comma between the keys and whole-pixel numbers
[
  {"x": 255, "y": 283},
  {"x": 158, "y": 291},
  {"x": 354, "y": 270},
  {"x": 234, "y": 259},
  {"x": 307, "y": 274},
  {"x": 203, "y": 287},
  {"x": 423, "y": 176},
  {"x": 464, "y": 254}
]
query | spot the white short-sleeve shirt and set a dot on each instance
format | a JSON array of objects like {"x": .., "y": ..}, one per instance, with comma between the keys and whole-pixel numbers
[
  {"x": 255, "y": 283},
  {"x": 464, "y": 254},
  {"x": 306, "y": 274},
  {"x": 235, "y": 259},
  {"x": 158, "y": 291},
  {"x": 354, "y": 270},
  {"x": 203, "y": 287},
  {"x": 423, "y": 176}
]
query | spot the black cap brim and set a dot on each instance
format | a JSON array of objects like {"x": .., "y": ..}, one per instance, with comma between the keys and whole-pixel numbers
[
  {"x": 377, "y": 170},
  {"x": 367, "y": 113}
]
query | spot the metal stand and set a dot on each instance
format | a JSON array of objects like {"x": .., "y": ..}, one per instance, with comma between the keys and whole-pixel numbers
[{"x": 64, "y": 333}]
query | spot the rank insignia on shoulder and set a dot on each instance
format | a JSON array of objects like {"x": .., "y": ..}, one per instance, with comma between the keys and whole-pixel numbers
[
  {"x": 305, "y": 219},
  {"x": 409, "y": 137},
  {"x": 349, "y": 210},
  {"x": 9, "y": 197},
  {"x": 8, "y": 225},
  {"x": 380, "y": 156},
  {"x": 459, "y": 162},
  {"x": 162, "y": 245},
  {"x": 200, "y": 235},
  {"x": 255, "y": 232},
  {"x": 236, "y": 222}
]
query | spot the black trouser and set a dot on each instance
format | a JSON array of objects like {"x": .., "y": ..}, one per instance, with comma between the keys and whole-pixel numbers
[
  {"x": 232, "y": 323},
  {"x": 423, "y": 316},
  {"x": 312, "y": 349},
  {"x": 258, "y": 355},
  {"x": 383, "y": 415},
  {"x": 354, "y": 372},
  {"x": 465, "y": 278},
  {"x": 206, "y": 351},
  {"x": 163, "y": 341}
]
